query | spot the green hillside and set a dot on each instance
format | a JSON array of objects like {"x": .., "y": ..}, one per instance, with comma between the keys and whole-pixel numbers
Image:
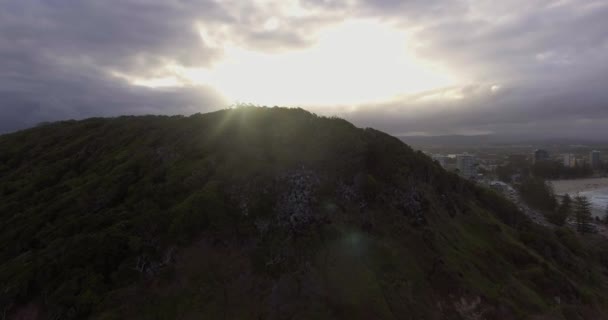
[{"x": 268, "y": 213}]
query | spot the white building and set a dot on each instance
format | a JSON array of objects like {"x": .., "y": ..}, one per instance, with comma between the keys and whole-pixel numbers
[{"x": 466, "y": 165}]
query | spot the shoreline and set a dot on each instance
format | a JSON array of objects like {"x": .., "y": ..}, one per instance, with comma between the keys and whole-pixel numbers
[
  {"x": 595, "y": 189},
  {"x": 575, "y": 186}
]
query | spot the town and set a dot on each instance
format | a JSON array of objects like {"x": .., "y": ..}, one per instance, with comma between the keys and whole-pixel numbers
[
  {"x": 547, "y": 182},
  {"x": 511, "y": 166}
]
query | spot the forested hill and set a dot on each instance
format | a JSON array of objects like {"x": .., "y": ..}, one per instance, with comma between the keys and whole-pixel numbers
[{"x": 268, "y": 213}]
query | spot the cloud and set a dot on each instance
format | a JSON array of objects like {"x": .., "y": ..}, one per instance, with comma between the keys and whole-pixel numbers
[
  {"x": 535, "y": 67},
  {"x": 539, "y": 110},
  {"x": 549, "y": 59},
  {"x": 55, "y": 58},
  {"x": 59, "y": 59}
]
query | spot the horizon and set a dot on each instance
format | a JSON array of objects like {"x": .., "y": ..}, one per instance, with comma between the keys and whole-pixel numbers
[{"x": 466, "y": 138}]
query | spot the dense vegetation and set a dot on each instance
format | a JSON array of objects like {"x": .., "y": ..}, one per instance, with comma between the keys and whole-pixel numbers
[
  {"x": 538, "y": 194},
  {"x": 268, "y": 213},
  {"x": 582, "y": 213}
]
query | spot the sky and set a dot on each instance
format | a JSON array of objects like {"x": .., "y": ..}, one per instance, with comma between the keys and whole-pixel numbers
[{"x": 419, "y": 67}]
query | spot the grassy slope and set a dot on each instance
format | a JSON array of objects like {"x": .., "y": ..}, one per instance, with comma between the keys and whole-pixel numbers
[{"x": 271, "y": 213}]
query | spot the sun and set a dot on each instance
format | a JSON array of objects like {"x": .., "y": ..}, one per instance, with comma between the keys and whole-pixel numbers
[{"x": 354, "y": 62}]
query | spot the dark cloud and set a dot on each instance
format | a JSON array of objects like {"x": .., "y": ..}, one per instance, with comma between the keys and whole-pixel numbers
[
  {"x": 409, "y": 10},
  {"x": 538, "y": 110},
  {"x": 55, "y": 58},
  {"x": 118, "y": 34},
  {"x": 53, "y": 92},
  {"x": 564, "y": 39}
]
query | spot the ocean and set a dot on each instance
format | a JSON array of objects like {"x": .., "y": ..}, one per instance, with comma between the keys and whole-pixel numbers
[
  {"x": 598, "y": 199},
  {"x": 595, "y": 189}
]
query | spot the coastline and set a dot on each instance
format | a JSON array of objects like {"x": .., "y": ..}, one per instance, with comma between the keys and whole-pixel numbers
[
  {"x": 595, "y": 189},
  {"x": 575, "y": 186}
]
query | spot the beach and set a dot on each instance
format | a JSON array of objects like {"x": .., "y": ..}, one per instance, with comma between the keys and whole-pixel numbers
[{"x": 595, "y": 189}]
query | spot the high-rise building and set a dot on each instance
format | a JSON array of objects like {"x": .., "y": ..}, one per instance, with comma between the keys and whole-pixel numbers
[
  {"x": 594, "y": 159},
  {"x": 465, "y": 163},
  {"x": 569, "y": 160},
  {"x": 540, "y": 155}
]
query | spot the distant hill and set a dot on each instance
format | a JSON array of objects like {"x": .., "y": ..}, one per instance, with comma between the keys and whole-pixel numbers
[
  {"x": 268, "y": 213},
  {"x": 495, "y": 140},
  {"x": 453, "y": 140}
]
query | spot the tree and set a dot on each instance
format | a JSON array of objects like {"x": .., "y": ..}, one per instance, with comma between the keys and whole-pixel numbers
[
  {"x": 546, "y": 169},
  {"x": 582, "y": 213},
  {"x": 563, "y": 212},
  {"x": 605, "y": 218},
  {"x": 538, "y": 194}
]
